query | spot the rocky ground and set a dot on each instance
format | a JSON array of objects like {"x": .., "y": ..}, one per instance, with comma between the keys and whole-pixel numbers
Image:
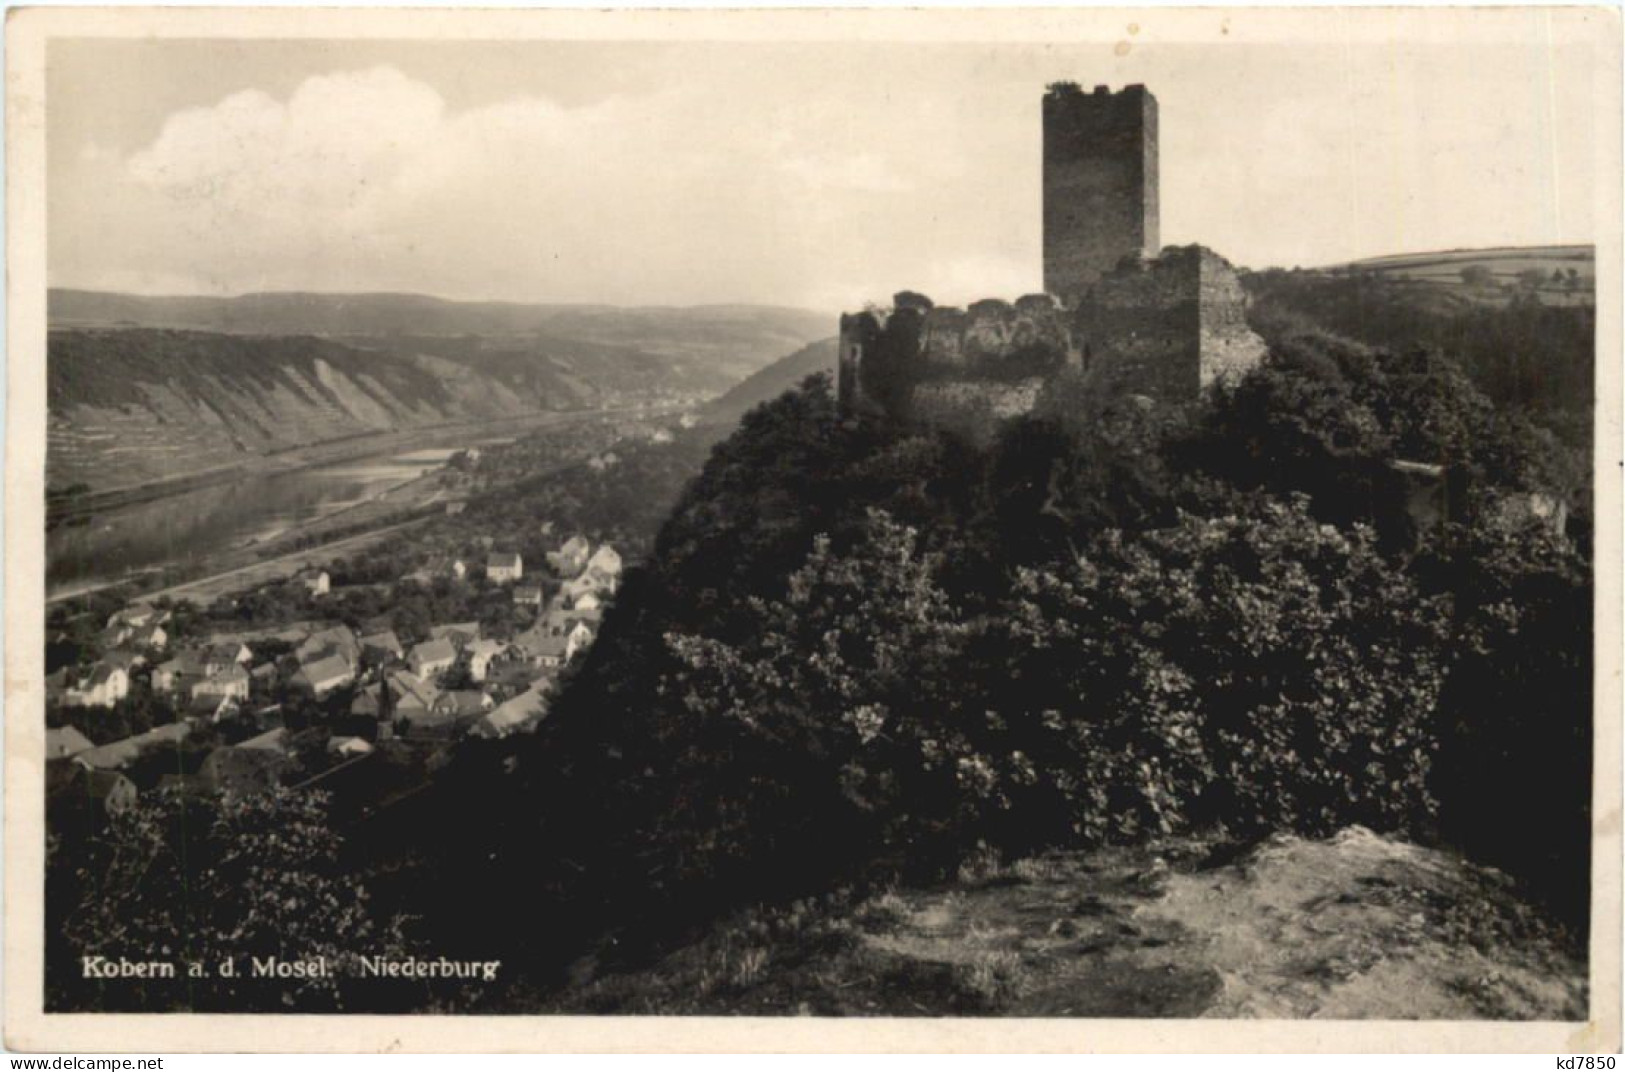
[{"x": 1355, "y": 926}]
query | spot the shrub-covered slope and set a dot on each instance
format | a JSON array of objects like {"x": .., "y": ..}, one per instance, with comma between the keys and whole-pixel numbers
[
  {"x": 771, "y": 382},
  {"x": 859, "y": 652}
]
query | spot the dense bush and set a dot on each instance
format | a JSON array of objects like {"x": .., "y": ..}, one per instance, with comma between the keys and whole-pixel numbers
[
  {"x": 194, "y": 880},
  {"x": 1525, "y": 356}
]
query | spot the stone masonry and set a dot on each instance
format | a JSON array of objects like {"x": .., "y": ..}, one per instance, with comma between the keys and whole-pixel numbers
[
  {"x": 1117, "y": 319},
  {"x": 1100, "y": 183}
]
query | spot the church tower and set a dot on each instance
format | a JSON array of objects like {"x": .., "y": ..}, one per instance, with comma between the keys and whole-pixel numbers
[{"x": 1100, "y": 183}]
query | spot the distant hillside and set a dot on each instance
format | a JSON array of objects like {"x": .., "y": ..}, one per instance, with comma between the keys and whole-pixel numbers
[
  {"x": 144, "y": 388},
  {"x": 133, "y": 405},
  {"x": 771, "y": 382},
  {"x": 725, "y": 342},
  {"x": 1558, "y": 274},
  {"x": 1528, "y": 348}
]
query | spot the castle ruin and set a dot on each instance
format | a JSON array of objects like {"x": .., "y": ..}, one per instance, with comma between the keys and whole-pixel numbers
[{"x": 1118, "y": 318}]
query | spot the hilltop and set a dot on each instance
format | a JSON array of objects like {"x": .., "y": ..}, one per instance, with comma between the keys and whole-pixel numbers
[
  {"x": 1356, "y": 926},
  {"x": 148, "y": 389},
  {"x": 727, "y": 341},
  {"x": 1558, "y": 274}
]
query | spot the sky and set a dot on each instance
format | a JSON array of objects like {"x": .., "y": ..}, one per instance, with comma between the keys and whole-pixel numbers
[{"x": 820, "y": 175}]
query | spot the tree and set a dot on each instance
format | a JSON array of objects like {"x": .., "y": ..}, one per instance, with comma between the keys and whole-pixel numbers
[
  {"x": 1477, "y": 275},
  {"x": 189, "y": 879},
  {"x": 841, "y": 713}
]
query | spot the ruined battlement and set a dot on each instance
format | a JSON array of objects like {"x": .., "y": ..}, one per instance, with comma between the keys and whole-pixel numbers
[
  {"x": 1119, "y": 317},
  {"x": 1163, "y": 328}
]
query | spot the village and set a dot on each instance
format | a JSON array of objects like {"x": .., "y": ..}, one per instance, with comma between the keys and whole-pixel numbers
[{"x": 366, "y": 709}]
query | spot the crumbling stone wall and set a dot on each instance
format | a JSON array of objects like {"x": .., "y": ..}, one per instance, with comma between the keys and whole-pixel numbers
[
  {"x": 1165, "y": 329},
  {"x": 1116, "y": 320},
  {"x": 973, "y": 409},
  {"x": 1100, "y": 183},
  {"x": 995, "y": 339}
]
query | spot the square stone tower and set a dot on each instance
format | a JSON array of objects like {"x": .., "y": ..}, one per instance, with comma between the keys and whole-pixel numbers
[{"x": 1100, "y": 183}]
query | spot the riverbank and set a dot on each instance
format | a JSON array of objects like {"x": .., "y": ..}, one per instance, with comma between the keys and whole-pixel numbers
[
  {"x": 60, "y": 510},
  {"x": 229, "y": 568}
]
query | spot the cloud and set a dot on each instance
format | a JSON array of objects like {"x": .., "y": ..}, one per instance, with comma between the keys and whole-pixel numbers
[{"x": 367, "y": 180}]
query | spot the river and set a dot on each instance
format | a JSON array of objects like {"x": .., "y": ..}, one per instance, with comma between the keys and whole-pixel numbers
[{"x": 179, "y": 529}]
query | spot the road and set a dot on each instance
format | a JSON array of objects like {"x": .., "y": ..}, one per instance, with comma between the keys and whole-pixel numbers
[{"x": 207, "y": 589}]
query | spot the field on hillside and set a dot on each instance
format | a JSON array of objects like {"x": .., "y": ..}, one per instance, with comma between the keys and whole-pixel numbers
[{"x": 1500, "y": 272}]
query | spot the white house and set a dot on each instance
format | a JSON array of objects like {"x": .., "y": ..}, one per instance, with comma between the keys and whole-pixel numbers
[
  {"x": 541, "y": 647},
  {"x": 152, "y": 635},
  {"x": 136, "y": 615},
  {"x": 591, "y": 583},
  {"x": 316, "y": 581},
  {"x": 571, "y": 558},
  {"x": 606, "y": 560},
  {"x": 504, "y": 569},
  {"x": 578, "y": 638},
  {"x": 432, "y": 657},
  {"x": 322, "y": 676},
  {"x": 480, "y": 653},
  {"x": 231, "y": 683},
  {"x": 177, "y": 674},
  {"x": 104, "y": 686},
  {"x": 225, "y": 654}
]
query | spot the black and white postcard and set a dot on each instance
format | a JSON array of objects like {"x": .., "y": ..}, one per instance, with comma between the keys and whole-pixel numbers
[{"x": 893, "y": 529}]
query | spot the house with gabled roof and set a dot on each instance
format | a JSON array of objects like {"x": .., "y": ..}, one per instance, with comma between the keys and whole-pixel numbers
[
  {"x": 223, "y": 654},
  {"x": 410, "y": 694},
  {"x": 518, "y": 714},
  {"x": 540, "y": 647},
  {"x": 480, "y": 654},
  {"x": 571, "y": 558},
  {"x": 230, "y": 683},
  {"x": 503, "y": 568},
  {"x": 136, "y": 615},
  {"x": 432, "y": 657},
  {"x": 119, "y": 754},
  {"x": 152, "y": 635},
  {"x": 337, "y": 640},
  {"x": 212, "y": 708},
  {"x": 378, "y": 648},
  {"x": 462, "y": 703},
  {"x": 322, "y": 676},
  {"x": 107, "y": 791},
  {"x": 316, "y": 582},
  {"x": 458, "y": 634},
  {"x": 64, "y": 741},
  {"x": 104, "y": 686},
  {"x": 178, "y": 674},
  {"x": 605, "y": 560}
]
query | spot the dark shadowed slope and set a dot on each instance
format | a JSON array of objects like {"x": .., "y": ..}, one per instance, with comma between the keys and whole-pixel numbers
[{"x": 771, "y": 382}]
